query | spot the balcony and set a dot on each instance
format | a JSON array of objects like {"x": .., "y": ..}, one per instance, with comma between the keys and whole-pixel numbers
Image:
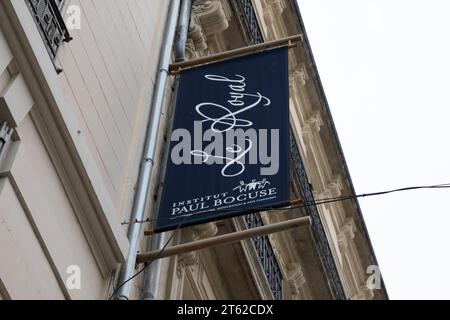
[{"x": 48, "y": 18}]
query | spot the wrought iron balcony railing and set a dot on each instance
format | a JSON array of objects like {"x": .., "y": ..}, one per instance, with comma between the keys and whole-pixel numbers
[
  {"x": 267, "y": 257},
  {"x": 50, "y": 22},
  {"x": 317, "y": 226},
  {"x": 247, "y": 17},
  {"x": 5, "y": 138}
]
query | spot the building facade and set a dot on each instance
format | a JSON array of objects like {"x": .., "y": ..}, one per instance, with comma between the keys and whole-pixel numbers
[{"x": 76, "y": 85}]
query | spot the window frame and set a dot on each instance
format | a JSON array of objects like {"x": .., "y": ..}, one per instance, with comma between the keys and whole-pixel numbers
[{"x": 50, "y": 23}]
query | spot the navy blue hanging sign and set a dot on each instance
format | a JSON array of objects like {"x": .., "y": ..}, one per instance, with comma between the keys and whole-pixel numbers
[{"x": 229, "y": 149}]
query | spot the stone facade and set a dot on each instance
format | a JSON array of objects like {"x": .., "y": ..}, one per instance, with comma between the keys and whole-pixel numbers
[{"x": 71, "y": 150}]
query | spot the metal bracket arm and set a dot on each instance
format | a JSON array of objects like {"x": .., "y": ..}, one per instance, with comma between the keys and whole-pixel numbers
[{"x": 223, "y": 239}]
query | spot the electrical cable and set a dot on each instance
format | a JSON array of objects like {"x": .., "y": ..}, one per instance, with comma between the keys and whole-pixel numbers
[
  {"x": 304, "y": 205},
  {"x": 366, "y": 195},
  {"x": 324, "y": 200},
  {"x": 316, "y": 202}
]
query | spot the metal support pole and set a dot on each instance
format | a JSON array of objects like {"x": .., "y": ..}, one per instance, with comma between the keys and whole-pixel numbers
[
  {"x": 223, "y": 239},
  {"x": 289, "y": 41}
]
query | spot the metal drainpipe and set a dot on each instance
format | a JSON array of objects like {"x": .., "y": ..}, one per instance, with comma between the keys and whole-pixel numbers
[
  {"x": 152, "y": 276},
  {"x": 145, "y": 173},
  {"x": 182, "y": 32}
]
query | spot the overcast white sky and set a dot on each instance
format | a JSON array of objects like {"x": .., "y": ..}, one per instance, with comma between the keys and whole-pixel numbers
[{"x": 385, "y": 67}]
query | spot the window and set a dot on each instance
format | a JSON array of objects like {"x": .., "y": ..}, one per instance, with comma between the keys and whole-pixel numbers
[{"x": 48, "y": 18}]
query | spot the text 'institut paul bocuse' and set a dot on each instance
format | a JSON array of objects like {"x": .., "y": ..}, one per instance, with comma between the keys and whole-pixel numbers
[{"x": 189, "y": 140}]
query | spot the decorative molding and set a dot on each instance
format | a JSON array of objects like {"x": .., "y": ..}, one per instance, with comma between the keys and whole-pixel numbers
[
  {"x": 315, "y": 122},
  {"x": 299, "y": 76},
  {"x": 346, "y": 234},
  {"x": 208, "y": 18},
  {"x": 348, "y": 229},
  {"x": 227, "y": 9},
  {"x": 363, "y": 293},
  {"x": 277, "y": 6},
  {"x": 296, "y": 279},
  {"x": 269, "y": 16},
  {"x": 195, "y": 233},
  {"x": 188, "y": 259},
  {"x": 207, "y": 230},
  {"x": 211, "y": 16},
  {"x": 335, "y": 187},
  {"x": 273, "y": 9},
  {"x": 197, "y": 37},
  {"x": 310, "y": 127},
  {"x": 272, "y": 12}
]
